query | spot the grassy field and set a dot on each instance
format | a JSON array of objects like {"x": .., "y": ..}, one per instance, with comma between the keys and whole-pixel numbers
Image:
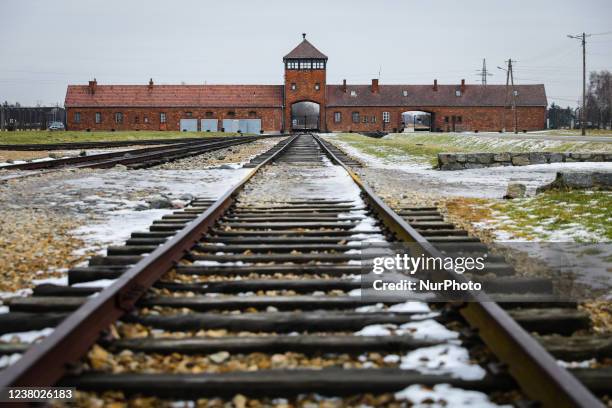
[
  {"x": 425, "y": 147},
  {"x": 38, "y": 137},
  {"x": 581, "y": 215}
]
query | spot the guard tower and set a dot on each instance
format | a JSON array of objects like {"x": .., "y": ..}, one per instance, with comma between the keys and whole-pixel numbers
[{"x": 305, "y": 73}]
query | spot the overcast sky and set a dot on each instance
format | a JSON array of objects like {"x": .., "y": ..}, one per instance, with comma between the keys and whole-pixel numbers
[{"x": 49, "y": 44}]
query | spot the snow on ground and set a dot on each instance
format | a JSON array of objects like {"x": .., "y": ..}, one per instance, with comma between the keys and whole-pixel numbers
[
  {"x": 119, "y": 217},
  {"x": 448, "y": 359},
  {"x": 490, "y": 182},
  {"x": 428, "y": 329},
  {"x": 444, "y": 395},
  {"x": 29, "y": 336}
]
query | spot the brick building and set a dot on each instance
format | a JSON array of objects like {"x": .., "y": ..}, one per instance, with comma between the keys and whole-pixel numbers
[{"x": 304, "y": 101}]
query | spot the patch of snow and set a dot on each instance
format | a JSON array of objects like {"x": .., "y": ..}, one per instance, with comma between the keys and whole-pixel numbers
[
  {"x": 26, "y": 336},
  {"x": 101, "y": 283},
  {"x": 444, "y": 395},
  {"x": 577, "y": 364},
  {"x": 62, "y": 280},
  {"x": 443, "y": 359},
  {"x": 8, "y": 360}
]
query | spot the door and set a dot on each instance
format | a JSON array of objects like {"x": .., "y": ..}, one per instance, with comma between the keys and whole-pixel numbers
[
  {"x": 254, "y": 126},
  {"x": 231, "y": 125},
  {"x": 189, "y": 125},
  {"x": 250, "y": 125},
  {"x": 209, "y": 125}
]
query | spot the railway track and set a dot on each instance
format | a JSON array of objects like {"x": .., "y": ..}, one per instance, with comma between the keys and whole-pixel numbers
[
  {"x": 94, "y": 145},
  {"x": 257, "y": 293},
  {"x": 138, "y": 158}
]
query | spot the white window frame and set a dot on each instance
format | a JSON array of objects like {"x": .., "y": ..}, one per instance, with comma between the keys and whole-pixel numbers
[
  {"x": 353, "y": 93},
  {"x": 77, "y": 117},
  {"x": 162, "y": 117},
  {"x": 457, "y": 92},
  {"x": 405, "y": 92},
  {"x": 98, "y": 117},
  {"x": 386, "y": 117},
  {"x": 337, "y": 117}
]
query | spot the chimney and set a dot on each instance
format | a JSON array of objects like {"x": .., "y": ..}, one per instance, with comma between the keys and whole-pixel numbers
[
  {"x": 344, "y": 85},
  {"x": 92, "y": 86},
  {"x": 151, "y": 83},
  {"x": 463, "y": 86},
  {"x": 435, "y": 87},
  {"x": 374, "y": 85}
]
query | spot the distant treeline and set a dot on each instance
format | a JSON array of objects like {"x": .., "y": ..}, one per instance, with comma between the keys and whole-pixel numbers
[{"x": 598, "y": 106}]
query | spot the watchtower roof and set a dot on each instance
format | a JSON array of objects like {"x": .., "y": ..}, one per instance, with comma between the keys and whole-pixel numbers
[{"x": 305, "y": 50}]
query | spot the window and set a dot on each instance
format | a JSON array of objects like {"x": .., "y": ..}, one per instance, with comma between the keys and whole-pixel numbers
[
  {"x": 162, "y": 117},
  {"x": 386, "y": 117},
  {"x": 458, "y": 92},
  {"x": 188, "y": 114},
  {"x": 77, "y": 117},
  {"x": 293, "y": 86},
  {"x": 355, "y": 117},
  {"x": 353, "y": 93},
  {"x": 252, "y": 114},
  {"x": 515, "y": 93},
  {"x": 364, "y": 119},
  {"x": 209, "y": 114},
  {"x": 118, "y": 117},
  {"x": 98, "y": 117},
  {"x": 317, "y": 86},
  {"x": 446, "y": 119},
  {"x": 318, "y": 64},
  {"x": 292, "y": 65},
  {"x": 337, "y": 117},
  {"x": 145, "y": 119},
  {"x": 405, "y": 93},
  {"x": 136, "y": 119},
  {"x": 459, "y": 119},
  {"x": 373, "y": 119},
  {"x": 305, "y": 64}
]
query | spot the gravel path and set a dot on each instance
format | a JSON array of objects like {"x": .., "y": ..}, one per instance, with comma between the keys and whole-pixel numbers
[
  {"x": 52, "y": 222},
  {"x": 228, "y": 157}
]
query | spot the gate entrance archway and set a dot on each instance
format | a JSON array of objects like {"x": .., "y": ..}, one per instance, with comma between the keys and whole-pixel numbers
[
  {"x": 415, "y": 121},
  {"x": 305, "y": 115}
]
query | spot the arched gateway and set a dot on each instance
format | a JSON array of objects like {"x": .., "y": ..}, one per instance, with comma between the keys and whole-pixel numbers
[{"x": 305, "y": 115}]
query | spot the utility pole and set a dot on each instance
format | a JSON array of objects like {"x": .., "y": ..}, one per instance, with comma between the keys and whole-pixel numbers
[
  {"x": 510, "y": 84},
  {"x": 582, "y": 37}
]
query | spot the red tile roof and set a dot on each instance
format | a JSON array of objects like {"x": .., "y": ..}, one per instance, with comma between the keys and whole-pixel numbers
[
  {"x": 305, "y": 50},
  {"x": 175, "y": 96},
  {"x": 424, "y": 95}
]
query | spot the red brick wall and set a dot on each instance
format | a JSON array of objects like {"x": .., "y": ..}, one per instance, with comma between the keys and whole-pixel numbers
[
  {"x": 271, "y": 118},
  {"x": 305, "y": 81},
  {"x": 480, "y": 118}
]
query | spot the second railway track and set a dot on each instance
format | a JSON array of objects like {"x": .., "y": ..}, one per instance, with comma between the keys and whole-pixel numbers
[{"x": 256, "y": 293}]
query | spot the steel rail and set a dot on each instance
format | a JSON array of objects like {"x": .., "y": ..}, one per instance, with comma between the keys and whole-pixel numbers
[
  {"x": 46, "y": 362},
  {"x": 534, "y": 369},
  {"x": 142, "y": 153},
  {"x": 97, "y": 145}
]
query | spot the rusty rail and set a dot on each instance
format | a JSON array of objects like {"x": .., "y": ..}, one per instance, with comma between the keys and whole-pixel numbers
[
  {"x": 534, "y": 369},
  {"x": 46, "y": 362}
]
